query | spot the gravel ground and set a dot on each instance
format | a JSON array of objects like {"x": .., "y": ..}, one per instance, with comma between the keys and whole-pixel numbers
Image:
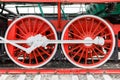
[
  {"x": 62, "y": 77},
  {"x": 65, "y": 64}
]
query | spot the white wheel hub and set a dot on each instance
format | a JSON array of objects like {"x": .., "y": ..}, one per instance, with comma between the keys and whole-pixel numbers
[
  {"x": 88, "y": 44},
  {"x": 97, "y": 40}
]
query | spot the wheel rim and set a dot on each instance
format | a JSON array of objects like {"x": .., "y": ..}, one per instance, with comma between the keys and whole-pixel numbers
[
  {"x": 22, "y": 29},
  {"x": 88, "y": 55}
]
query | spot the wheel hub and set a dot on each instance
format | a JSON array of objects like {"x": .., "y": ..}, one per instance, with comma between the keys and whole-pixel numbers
[
  {"x": 34, "y": 30},
  {"x": 88, "y": 44},
  {"x": 35, "y": 42},
  {"x": 99, "y": 41}
]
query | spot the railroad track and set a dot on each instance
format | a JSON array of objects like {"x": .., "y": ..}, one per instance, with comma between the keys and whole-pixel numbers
[
  {"x": 108, "y": 71},
  {"x": 59, "y": 77},
  {"x": 59, "y": 74}
]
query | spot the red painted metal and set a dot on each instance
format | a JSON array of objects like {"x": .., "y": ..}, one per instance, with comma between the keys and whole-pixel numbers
[
  {"x": 59, "y": 16},
  {"x": 83, "y": 28},
  {"x": 55, "y": 24},
  {"x": 59, "y": 25},
  {"x": 116, "y": 29},
  {"x": 24, "y": 28},
  {"x": 62, "y": 1},
  {"x": 60, "y": 71}
]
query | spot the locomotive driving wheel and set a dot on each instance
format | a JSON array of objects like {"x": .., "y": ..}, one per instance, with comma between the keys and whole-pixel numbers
[
  {"x": 31, "y": 28},
  {"x": 88, "y": 55}
]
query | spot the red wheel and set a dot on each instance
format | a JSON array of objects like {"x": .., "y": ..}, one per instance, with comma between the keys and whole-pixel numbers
[
  {"x": 88, "y": 27},
  {"x": 22, "y": 29}
]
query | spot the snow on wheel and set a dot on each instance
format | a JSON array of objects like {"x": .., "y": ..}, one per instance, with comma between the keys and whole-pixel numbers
[
  {"x": 88, "y": 55},
  {"x": 28, "y": 27}
]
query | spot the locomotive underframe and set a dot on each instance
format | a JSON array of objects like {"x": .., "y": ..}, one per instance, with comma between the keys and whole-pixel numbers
[{"x": 59, "y": 24}]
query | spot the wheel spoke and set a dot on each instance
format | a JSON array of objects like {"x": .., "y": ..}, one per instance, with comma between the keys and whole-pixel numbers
[
  {"x": 105, "y": 47},
  {"x": 44, "y": 51},
  {"x": 30, "y": 58},
  {"x": 21, "y": 36},
  {"x": 96, "y": 28},
  {"x": 76, "y": 47},
  {"x": 100, "y": 31},
  {"x": 16, "y": 49},
  {"x": 45, "y": 30},
  {"x": 24, "y": 57},
  {"x": 21, "y": 30},
  {"x": 49, "y": 35},
  {"x": 108, "y": 41},
  {"x": 29, "y": 21},
  {"x": 80, "y": 34},
  {"x": 81, "y": 27},
  {"x": 88, "y": 55},
  {"x": 86, "y": 24},
  {"x": 77, "y": 52},
  {"x": 75, "y": 35},
  {"x": 19, "y": 54},
  {"x": 96, "y": 54},
  {"x": 40, "y": 55},
  {"x": 81, "y": 55},
  {"x": 105, "y": 35},
  {"x": 35, "y": 26},
  {"x": 91, "y": 27},
  {"x": 39, "y": 27},
  {"x": 24, "y": 28},
  {"x": 91, "y": 55},
  {"x": 99, "y": 50},
  {"x": 35, "y": 57}
]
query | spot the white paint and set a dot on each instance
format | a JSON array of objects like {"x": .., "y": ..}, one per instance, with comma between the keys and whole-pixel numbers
[
  {"x": 21, "y": 77},
  {"x": 37, "y": 77},
  {"x": 87, "y": 41},
  {"x": 107, "y": 77},
  {"x": 88, "y": 66},
  {"x": 39, "y": 40},
  {"x": 39, "y": 18},
  {"x": 90, "y": 77},
  {"x": 119, "y": 55},
  {"x": 3, "y": 77}
]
